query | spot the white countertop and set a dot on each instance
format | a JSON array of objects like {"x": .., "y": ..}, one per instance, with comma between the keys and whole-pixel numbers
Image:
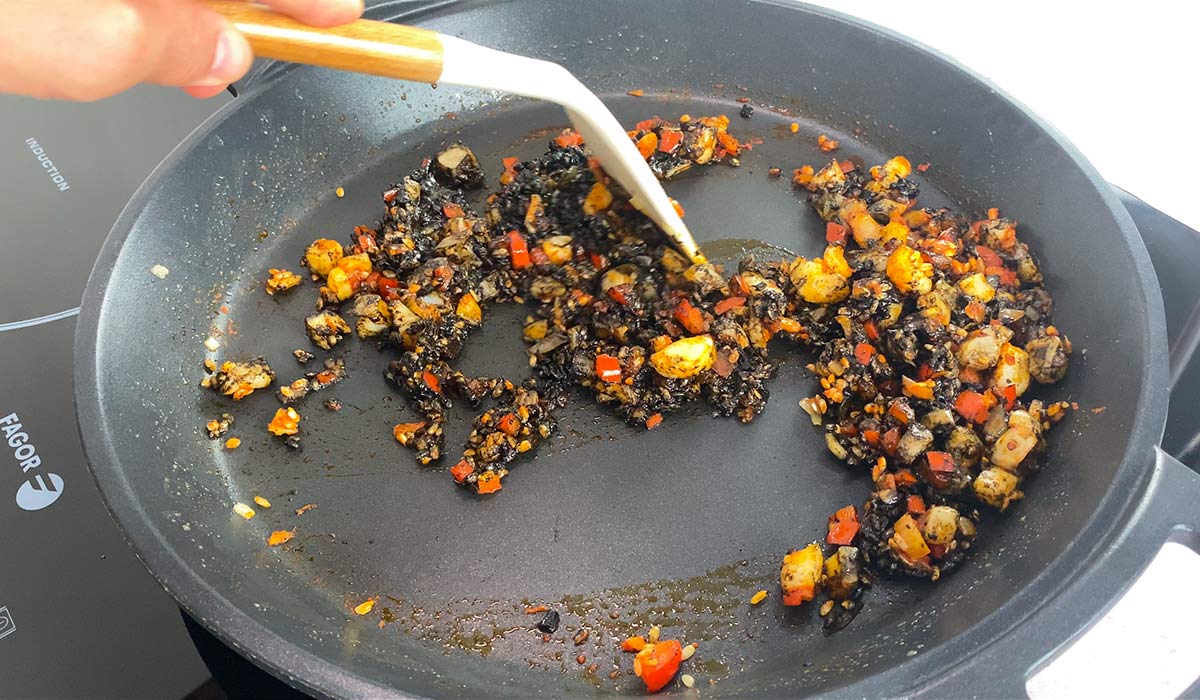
[{"x": 1117, "y": 81}]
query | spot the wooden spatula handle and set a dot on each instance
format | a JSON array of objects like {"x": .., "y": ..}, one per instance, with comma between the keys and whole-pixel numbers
[{"x": 365, "y": 46}]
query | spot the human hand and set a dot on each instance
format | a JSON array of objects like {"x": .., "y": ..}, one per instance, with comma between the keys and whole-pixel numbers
[{"x": 91, "y": 49}]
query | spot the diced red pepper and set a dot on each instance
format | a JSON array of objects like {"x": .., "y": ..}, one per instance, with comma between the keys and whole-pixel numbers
[
  {"x": 654, "y": 421},
  {"x": 509, "y": 424},
  {"x": 598, "y": 260},
  {"x": 905, "y": 477},
  {"x": 647, "y": 124},
  {"x": 608, "y": 368},
  {"x": 863, "y": 352},
  {"x": 669, "y": 140},
  {"x": 431, "y": 380},
  {"x": 843, "y": 526},
  {"x": 872, "y": 437},
  {"x": 940, "y": 461},
  {"x": 569, "y": 138},
  {"x": 846, "y": 166},
  {"x": 690, "y": 317},
  {"x": 871, "y": 330},
  {"x": 937, "y": 551},
  {"x": 518, "y": 251},
  {"x": 389, "y": 287},
  {"x": 461, "y": 471},
  {"x": 916, "y": 504},
  {"x": 835, "y": 233},
  {"x": 510, "y": 172},
  {"x": 488, "y": 482},
  {"x": 657, "y": 664},
  {"x": 924, "y": 372},
  {"x": 972, "y": 405},
  {"x": 1010, "y": 397},
  {"x": 618, "y": 295},
  {"x": 451, "y": 210},
  {"x": 988, "y": 256},
  {"x": 728, "y": 304}
]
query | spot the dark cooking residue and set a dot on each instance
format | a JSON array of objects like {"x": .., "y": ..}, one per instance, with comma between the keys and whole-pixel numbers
[{"x": 926, "y": 330}]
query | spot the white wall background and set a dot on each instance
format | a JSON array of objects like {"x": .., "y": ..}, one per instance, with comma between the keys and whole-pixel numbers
[{"x": 1120, "y": 80}]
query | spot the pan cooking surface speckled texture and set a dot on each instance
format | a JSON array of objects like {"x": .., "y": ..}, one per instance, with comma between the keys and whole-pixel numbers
[{"x": 614, "y": 527}]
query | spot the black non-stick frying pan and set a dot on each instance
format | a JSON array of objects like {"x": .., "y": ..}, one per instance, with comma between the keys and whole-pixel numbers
[{"x": 615, "y": 528}]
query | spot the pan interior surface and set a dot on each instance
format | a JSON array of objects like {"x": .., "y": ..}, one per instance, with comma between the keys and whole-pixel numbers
[{"x": 614, "y": 527}]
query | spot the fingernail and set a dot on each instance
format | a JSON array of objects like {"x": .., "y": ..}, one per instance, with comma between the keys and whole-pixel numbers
[{"x": 228, "y": 60}]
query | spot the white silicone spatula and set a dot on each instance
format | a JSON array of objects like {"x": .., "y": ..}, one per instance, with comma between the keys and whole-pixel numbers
[{"x": 410, "y": 53}]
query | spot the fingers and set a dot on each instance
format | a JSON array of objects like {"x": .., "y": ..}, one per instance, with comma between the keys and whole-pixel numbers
[
  {"x": 319, "y": 13},
  {"x": 190, "y": 45},
  {"x": 91, "y": 49}
]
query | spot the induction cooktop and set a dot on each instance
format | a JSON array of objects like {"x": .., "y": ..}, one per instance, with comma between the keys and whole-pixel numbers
[{"x": 79, "y": 615}]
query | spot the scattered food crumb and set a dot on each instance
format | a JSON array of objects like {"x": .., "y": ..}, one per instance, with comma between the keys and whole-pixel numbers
[
  {"x": 534, "y": 609},
  {"x": 262, "y": 502},
  {"x": 743, "y": 100},
  {"x": 280, "y": 537},
  {"x": 212, "y": 344},
  {"x": 795, "y": 128},
  {"x": 774, "y": 172},
  {"x": 614, "y": 615},
  {"x": 688, "y": 651},
  {"x": 210, "y": 364},
  {"x": 688, "y": 680},
  {"x": 758, "y": 597},
  {"x": 243, "y": 510},
  {"x": 615, "y": 674},
  {"x": 333, "y": 404},
  {"x": 160, "y": 271},
  {"x": 305, "y": 508},
  {"x": 922, "y": 167},
  {"x": 218, "y": 426},
  {"x": 581, "y": 659},
  {"x": 365, "y": 607},
  {"x": 746, "y": 112},
  {"x": 827, "y": 144},
  {"x": 340, "y": 192},
  {"x": 279, "y": 280},
  {"x": 285, "y": 422},
  {"x": 232, "y": 444},
  {"x": 636, "y": 93},
  {"x": 302, "y": 356},
  {"x": 826, "y": 608},
  {"x": 581, "y": 636},
  {"x": 1099, "y": 410}
]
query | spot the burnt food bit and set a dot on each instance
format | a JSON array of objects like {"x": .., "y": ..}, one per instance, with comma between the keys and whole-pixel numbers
[{"x": 239, "y": 379}]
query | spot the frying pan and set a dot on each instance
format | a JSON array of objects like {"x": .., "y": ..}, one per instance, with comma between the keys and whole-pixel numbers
[{"x": 613, "y": 527}]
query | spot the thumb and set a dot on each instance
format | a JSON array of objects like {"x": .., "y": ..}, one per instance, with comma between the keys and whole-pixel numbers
[{"x": 114, "y": 45}]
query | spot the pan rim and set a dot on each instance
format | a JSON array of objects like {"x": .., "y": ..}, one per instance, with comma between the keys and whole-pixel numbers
[{"x": 317, "y": 675}]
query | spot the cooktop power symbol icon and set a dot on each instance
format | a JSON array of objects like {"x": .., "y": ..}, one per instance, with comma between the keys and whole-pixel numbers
[
  {"x": 6, "y": 623},
  {"x": 39, "y": 492}
]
